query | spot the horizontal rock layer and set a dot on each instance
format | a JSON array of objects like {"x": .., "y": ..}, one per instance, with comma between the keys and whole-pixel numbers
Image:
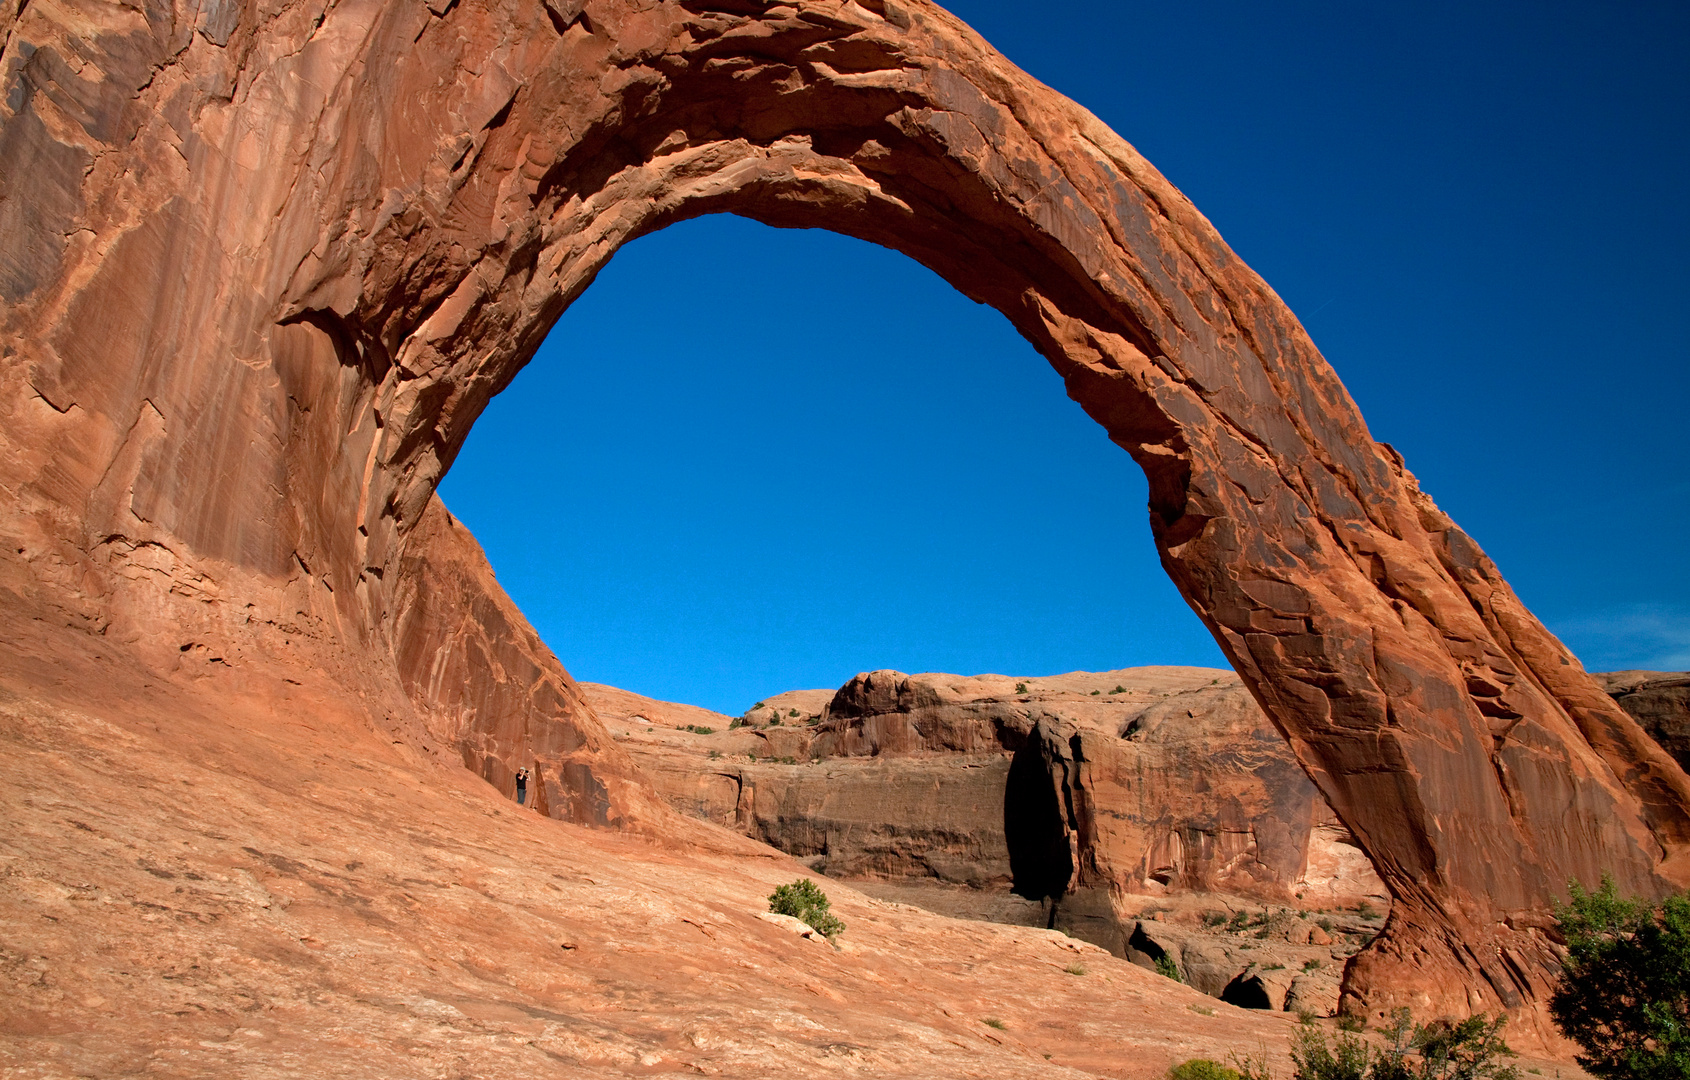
[{"x": 1086, "y": 794}]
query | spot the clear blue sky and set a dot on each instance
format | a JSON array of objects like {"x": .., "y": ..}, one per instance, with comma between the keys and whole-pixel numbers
[{"x": 749, "y": 461}]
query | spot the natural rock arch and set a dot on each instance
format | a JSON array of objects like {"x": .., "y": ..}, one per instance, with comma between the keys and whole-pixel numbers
[{"x": 262, "y": 264}]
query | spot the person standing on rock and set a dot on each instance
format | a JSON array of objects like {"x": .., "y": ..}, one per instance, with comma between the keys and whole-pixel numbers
[{"x": 521, "y": 787}]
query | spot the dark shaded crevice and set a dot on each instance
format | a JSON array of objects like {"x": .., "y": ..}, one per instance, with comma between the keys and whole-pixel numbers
[
  {"x": 1247, "y": 992},
  {"x": 1040, "y": 862}
]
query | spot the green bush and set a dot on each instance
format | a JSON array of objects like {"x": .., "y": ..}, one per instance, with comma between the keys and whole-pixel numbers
[
  {"x": 1468, "y": 1050},
  {"x": 1624, "y": 994},
  {"x": 804, "y": 900},
  {"x": 1166, "y": 968},
  {"x": 1202, "y": 1069}
]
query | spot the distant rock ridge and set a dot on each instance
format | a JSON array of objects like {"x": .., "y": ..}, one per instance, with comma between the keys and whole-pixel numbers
[
  {"x": 1074, "y": 801},
  {"x": 1126, "y": 807},
  {"x": 1660, "y": 702}
]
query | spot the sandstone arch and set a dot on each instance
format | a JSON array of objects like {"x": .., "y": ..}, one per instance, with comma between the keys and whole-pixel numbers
[{"x": 262, "y": 265}]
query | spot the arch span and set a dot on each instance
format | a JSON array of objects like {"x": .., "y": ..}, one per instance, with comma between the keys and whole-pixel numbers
[{"x": 277, "y": 258}]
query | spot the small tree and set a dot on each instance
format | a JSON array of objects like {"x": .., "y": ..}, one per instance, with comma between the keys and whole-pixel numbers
[
  {"x": 1625, "y": 987},
  {"x": 1202, "y": 1069},
  {"x": 1469, "y": 1049},
  {"x": 804, "y": 900}
]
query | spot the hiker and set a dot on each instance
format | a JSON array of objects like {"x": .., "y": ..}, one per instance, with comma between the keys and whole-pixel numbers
[{"x": 521, "y": 787}]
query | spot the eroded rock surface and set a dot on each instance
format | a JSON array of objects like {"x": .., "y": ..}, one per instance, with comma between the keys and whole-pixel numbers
[
  {"x": 1660, "y": 702},
  {"x": 243, "y": 877},
  {"x": 1088, "y": 802},
  {"x": 262, "y": 266}
]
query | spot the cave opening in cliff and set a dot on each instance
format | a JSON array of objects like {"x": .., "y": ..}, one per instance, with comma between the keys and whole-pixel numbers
[{"x": 1040, "y": 861}]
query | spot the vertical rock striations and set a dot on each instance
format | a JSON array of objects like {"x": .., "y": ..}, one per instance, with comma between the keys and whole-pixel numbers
[{"x": 263, "y": 264}]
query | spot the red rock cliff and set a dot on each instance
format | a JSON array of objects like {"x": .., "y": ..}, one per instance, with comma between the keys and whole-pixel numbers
[{"x": 263, "y": 264}]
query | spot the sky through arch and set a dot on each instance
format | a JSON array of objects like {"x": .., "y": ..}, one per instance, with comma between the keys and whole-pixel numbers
[
  {"x": 751, "y": 459},
  {"x": 748, "y": 460}
]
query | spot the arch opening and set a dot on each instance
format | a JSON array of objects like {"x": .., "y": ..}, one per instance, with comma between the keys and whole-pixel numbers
[
  {"x": 709, "y": 490},
  {"x": 408, "y": 279}
]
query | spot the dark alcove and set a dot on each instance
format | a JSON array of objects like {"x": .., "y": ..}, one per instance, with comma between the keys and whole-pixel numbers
[{"x": 1039, "y": 859}]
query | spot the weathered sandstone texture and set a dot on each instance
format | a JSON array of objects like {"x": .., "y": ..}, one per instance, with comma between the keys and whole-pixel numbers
[
  {"x": 243, "y": 876},
  {"x": 1100, "y": 804},
  {"x": 1660, "y": 702},
  {"x": 263, "y": 263}
]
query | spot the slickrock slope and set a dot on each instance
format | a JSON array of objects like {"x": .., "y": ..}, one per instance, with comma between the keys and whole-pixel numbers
[
  {"x": 1089, "y": 802},
  {"x": 228, "y": 876},
  {"x": 263, "y": 264}
]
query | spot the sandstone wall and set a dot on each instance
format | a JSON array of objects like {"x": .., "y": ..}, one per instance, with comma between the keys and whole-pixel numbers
[
  {"x": 1660, "y": 702},
  {"x": 263, "y": 262},
  {"x": 489, "y": 687},
  {"x": 1136, "y": 783}
]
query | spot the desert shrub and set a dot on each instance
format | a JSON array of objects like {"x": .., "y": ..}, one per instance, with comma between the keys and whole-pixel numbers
[
  {"x": 1239, "y": 920},
  {"x": 1166, "y": 968},
  {"x": 994, "y": 1022},
  {"x": 1470, "y": 1049},
  {"x": 1314, "y": 1057},
  {"x": 700, "y": 729},
  {"x": 1020, "y": 688},
  {"x": 1311, "y": 965},
  {"x": 1214, "y": 918},
  {"x": 804, "y": 900},
  {"x": 1624, "y": 994},
  {"x": 1201, "y": 1069}
]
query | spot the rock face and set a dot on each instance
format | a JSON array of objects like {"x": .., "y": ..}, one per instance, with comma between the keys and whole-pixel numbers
[
  {"x": 1132, "y": 782},
  {"x": 486, "y": 684},
  {"x": 262, "y": 265},
  {"x": 1084, "y": 802},
  {"x": 1660, "y": 702},
  {"x": 236, "y": 875}
]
